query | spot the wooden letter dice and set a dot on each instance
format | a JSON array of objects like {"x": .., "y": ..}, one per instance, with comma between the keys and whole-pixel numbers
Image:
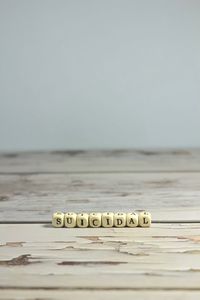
[
  {"x": 82, "y": 220},
  {"x": 58, "y": 219},
  {"x": 70, "y": 219},
  {"x": 107, "y": 219},
  {"x": 144, "y": 219},
  {"x": 119, "y": 219},
  {"x": 95, "y": 219},
  {"x": 132, "y": 219}
]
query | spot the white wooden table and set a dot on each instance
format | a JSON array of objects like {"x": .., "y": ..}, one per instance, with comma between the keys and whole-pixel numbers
[{"x": 41, "y": 262}]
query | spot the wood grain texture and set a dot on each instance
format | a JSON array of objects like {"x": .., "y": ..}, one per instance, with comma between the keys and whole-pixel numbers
[
  {"x": 41, "y": 261},
  {"x": 168, "y": 196},
  {"x": 101, "y": 161},
  {"x": 42, "y": 294}
]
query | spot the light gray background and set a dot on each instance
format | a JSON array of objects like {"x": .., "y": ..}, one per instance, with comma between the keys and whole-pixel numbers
[{"x": 99, "y": 74}]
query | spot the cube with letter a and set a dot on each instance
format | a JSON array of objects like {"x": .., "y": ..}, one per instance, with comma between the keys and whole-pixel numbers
[{"x": 132, "y": 219}]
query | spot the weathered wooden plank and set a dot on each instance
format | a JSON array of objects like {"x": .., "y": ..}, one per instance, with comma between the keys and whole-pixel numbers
[
  {"x": 168, "y": 196},
  {"x": 31, "y": 294},
  {"x": 35, "y": 258},
  {"x": 101, "y": 161},
  {"x": 41, "y": 262}
]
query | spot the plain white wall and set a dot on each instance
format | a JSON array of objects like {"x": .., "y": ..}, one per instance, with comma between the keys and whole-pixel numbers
[{"x": 99, "y": 74}]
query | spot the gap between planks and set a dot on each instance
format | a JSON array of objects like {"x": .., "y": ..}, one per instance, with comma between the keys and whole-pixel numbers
[
  {"x": 100, "y": 172},
  {"x": 48, "y": 288}
]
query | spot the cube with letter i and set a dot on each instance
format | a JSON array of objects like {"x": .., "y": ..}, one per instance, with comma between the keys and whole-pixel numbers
[
  {"x": 107, "y": 219},
  {"x": 82, "y": 220}
]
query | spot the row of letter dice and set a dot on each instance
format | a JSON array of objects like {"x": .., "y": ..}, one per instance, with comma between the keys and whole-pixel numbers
[{"x": 107, "y": 219}]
